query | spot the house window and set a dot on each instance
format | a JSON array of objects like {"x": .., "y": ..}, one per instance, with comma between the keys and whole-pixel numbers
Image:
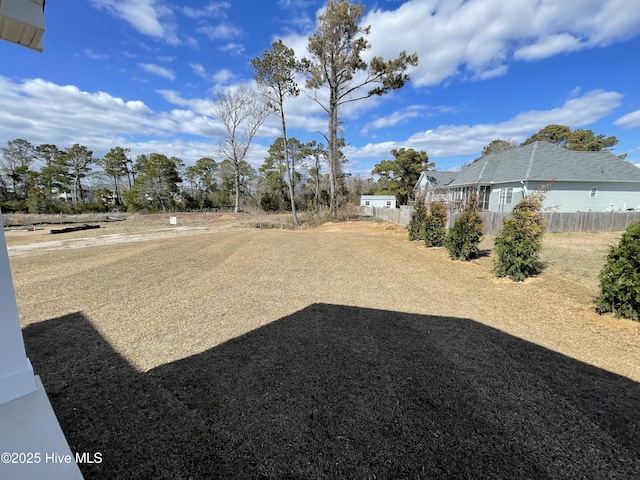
[
  {"x": 388, "y": 203},
  {"x": 367, "y": 203},
  {"x": 594, "y": 192},
  {"x": 506, "y": 196},
  {"x": 485, "y": 194}
]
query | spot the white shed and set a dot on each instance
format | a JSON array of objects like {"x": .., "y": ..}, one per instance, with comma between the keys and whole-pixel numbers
[{"x": 378, "y": 201}]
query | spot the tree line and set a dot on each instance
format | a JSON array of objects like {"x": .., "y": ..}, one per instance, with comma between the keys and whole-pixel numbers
[
  {"x": 48, "y": 179},
  {"x": 335, "y": 74}
]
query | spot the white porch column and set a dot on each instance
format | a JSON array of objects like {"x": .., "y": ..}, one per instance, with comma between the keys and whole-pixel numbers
[{"x": 16, "y": 374}]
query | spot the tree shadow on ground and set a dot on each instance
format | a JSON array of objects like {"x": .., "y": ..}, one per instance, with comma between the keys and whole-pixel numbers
[{"x": 342, "y": 392}]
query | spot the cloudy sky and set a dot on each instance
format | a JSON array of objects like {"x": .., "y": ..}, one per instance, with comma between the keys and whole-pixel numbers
[{"x": 143, "y": 74}]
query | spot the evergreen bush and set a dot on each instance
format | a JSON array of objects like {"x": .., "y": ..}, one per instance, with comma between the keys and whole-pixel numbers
[
  {"x": 82, "y": 207},
  {"x": 270, "y": 202},
  {"x": 518, "y": 246},
  {"x": 435, "y": 225},
  {"x": 416, "y": 225},
  {"x": 620, "y": 277},
  {"x": 464, "y": 237}
]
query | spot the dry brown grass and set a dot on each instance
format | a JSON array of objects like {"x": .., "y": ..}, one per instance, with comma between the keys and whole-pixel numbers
[
  {"x": 215, "y": 349},
  {"x": 160, "y": 292}
]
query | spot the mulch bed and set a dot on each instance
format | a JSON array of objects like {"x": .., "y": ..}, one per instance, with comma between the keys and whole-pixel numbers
[{"x": 341, "y": 392}]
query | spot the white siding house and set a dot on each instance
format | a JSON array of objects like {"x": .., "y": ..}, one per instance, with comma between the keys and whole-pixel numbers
[
  {"x": 378, "y": 201},
  {"x": 573, "y": 181}
]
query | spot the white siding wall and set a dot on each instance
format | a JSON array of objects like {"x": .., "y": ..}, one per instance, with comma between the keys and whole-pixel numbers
[{"x": 385, "y": 201}]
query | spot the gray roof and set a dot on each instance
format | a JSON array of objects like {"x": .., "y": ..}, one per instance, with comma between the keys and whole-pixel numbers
[
  {"x": 438, "y": 179},
  {"x": 545, "y": 161}
]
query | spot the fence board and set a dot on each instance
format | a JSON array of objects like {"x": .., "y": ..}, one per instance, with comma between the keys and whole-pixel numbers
[{"x": 556, "y": 221}]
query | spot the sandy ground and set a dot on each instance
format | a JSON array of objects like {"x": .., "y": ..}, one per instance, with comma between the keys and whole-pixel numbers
[{"x": 158, "y": 292}]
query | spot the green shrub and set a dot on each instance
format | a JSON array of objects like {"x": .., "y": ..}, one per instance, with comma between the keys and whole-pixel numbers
[
  {"x": 11, "y": 206},
  {"x": 620, "y": 277},
  {"x": 82, "y": 207},
  {"x": 435, "y": 225},
  {"x": 518, "y": 245},
  {"x": 464, "y": 237},
  {"x": 416, "y": 225},
  {"x": 221, "y": 199},
  {"x": 270, "y": 202}
]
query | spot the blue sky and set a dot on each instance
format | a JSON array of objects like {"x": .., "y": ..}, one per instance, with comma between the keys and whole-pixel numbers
[{"x": 143, "y": 74}]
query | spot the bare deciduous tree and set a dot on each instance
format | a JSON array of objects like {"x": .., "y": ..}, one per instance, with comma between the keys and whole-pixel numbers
[{"x": 241, "y": 112}]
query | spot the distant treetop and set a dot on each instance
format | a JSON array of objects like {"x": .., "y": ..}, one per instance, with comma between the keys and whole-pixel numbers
[{"x": 579, "y": 139}]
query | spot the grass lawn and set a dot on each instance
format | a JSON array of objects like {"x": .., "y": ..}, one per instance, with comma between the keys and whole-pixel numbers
[{"x": 338, "y": 352}]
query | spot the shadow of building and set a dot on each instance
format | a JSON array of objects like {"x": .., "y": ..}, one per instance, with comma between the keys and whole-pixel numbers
[{"x": 341, "y": 392}]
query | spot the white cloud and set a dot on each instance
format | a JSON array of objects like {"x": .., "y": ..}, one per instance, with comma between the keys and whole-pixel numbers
[
  {"x": 459, "y": 140},
  {"x": 235, "y": 49},
  {"x": 148, "y": 17},
  {"x": 101, "y": 121},
  {"x": 221, "y": 31},
  {"x": 199, "y": 105},
  {"x": 93, "y": 55},
  {"x": 223, "y": 76},
  {"x": 477, "y": 38},
  {"x": 158, "y": 70},
  {"x": 548, "y": 46},
  {"x": 216, "y": 9},
  {"x": 71, "y": 115},
  {"x": 391, "y": 120},
  {"x": 294, "y": 4},
  {"x": 400, "y": 116},
  {"x": 199, "y": 70},
  {"x": 630, "y": 120},
  {"x": 64, "y": 115}
]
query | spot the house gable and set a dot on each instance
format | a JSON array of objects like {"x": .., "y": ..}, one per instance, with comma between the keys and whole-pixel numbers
[{"x": 432, "y": 180}]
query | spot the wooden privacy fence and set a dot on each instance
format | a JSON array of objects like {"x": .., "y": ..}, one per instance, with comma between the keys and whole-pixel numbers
[{"x": 556, "y": 221}]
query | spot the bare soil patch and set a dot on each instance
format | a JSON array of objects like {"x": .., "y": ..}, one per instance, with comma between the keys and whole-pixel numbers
[{"x": 325, "y": 353}]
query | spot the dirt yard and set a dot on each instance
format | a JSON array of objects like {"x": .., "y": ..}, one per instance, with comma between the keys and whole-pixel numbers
[
  {"x": 159, "y": 292},
  {"x": 219, "y": 348}
]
